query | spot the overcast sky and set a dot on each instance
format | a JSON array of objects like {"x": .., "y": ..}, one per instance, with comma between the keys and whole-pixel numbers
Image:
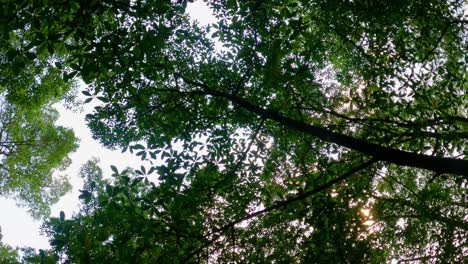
[{"x": 18, "y": 228}]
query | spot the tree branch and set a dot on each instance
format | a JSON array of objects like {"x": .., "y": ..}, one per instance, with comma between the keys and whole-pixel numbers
[
  {"x": 444, "y": 31},
  {"x": 220, "y": 231},
  {"x": 395, "y": 156},
  {"x": 368, "y": 121}
]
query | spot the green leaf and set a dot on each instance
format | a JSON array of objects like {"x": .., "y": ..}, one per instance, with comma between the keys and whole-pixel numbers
[
  {"x": 138, "y": 146},
  {"x": 50, "y": 48},
  {"x": 11, "y": 54},
  {"x": 69, "y": 76},
  {"x": 109, "y": 190},
  {"x": 114, "y": 169},
  {"x": 84, "y": 195},
  {"x": 103, "y": 99},
  {"x": 86, "y": 93}
]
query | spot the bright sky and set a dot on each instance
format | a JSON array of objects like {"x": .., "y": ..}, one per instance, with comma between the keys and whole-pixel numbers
[{"x": 18, "y": 228}]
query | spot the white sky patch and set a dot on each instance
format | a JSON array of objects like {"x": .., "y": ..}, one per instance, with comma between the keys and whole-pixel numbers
[
  {"x": 201, "y": 13},
  {"x": 18, "y": 228}
]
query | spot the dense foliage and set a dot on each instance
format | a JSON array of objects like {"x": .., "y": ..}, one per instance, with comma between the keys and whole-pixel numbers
[
  {"x": 32, "y": 146},
  {"x": 288, "y": 131}
]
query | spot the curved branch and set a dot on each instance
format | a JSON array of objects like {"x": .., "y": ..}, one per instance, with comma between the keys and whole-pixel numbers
[
  {"x": 395, "y": 156},
  {"x": 220, "y": 231}
]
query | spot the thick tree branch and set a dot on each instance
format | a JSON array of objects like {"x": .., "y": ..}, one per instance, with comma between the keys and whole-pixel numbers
[{"x": 395, "y": 156}]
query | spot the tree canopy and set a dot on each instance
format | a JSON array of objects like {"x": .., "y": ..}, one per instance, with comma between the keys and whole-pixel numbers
[
  {"x": 32, "y": 145},
  {"x": 32, "y": 148},
  {"x": 287, "y": 131}
]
